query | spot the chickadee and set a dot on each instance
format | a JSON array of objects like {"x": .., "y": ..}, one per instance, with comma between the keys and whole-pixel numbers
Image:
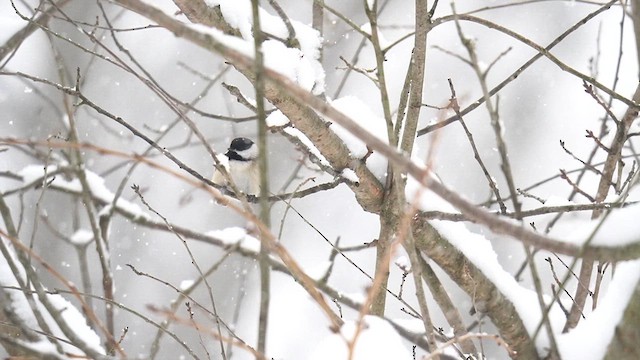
[{"x": 240, "y": 162}]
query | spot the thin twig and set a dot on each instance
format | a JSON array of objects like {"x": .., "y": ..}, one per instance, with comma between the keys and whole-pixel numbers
[
  {"x": 136, "y": 189},
  {"x": 580, "y": 298},
  {"x": 447, "y": 307},
  {"x": 598, "y": 142},
  {"x": 601, "y": 269},
  {"x": 492, "y": 110},
  {"x": 541, "y": 52},
  {"x": 586, "y": 165},
  {"x": 565, "y": 177},
  {"x": 453, "y": 104},
  {"x": 292, "y": 41}
]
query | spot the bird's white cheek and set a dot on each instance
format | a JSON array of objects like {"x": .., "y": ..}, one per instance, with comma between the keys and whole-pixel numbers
[{"x": 250, "y": 153}]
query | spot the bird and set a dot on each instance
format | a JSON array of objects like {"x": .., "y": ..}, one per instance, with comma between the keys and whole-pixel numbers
[{"x": 240, "y": 163}]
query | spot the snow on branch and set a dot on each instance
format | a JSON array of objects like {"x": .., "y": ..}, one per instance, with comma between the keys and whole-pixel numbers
[
  {"x": 299, "y": 64},
  {"x": 97, "y": 187}
]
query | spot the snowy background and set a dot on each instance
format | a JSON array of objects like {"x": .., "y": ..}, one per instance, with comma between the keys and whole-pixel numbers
[{"x": 543, "y": 106}]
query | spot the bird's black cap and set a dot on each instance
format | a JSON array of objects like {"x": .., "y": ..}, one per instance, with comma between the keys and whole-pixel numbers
[{"x": 240, "y": 144}]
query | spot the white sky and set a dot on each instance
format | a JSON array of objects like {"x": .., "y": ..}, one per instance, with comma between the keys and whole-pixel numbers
[{"x": 535, "y": 117}]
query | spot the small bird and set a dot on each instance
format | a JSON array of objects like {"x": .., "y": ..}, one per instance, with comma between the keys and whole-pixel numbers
[{"x": 240, "y": 163}]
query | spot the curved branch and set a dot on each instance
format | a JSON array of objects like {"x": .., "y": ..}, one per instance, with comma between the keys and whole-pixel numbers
[
  {"x": 14, "y": 42},
  {"x": 486, "y": 297}
]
